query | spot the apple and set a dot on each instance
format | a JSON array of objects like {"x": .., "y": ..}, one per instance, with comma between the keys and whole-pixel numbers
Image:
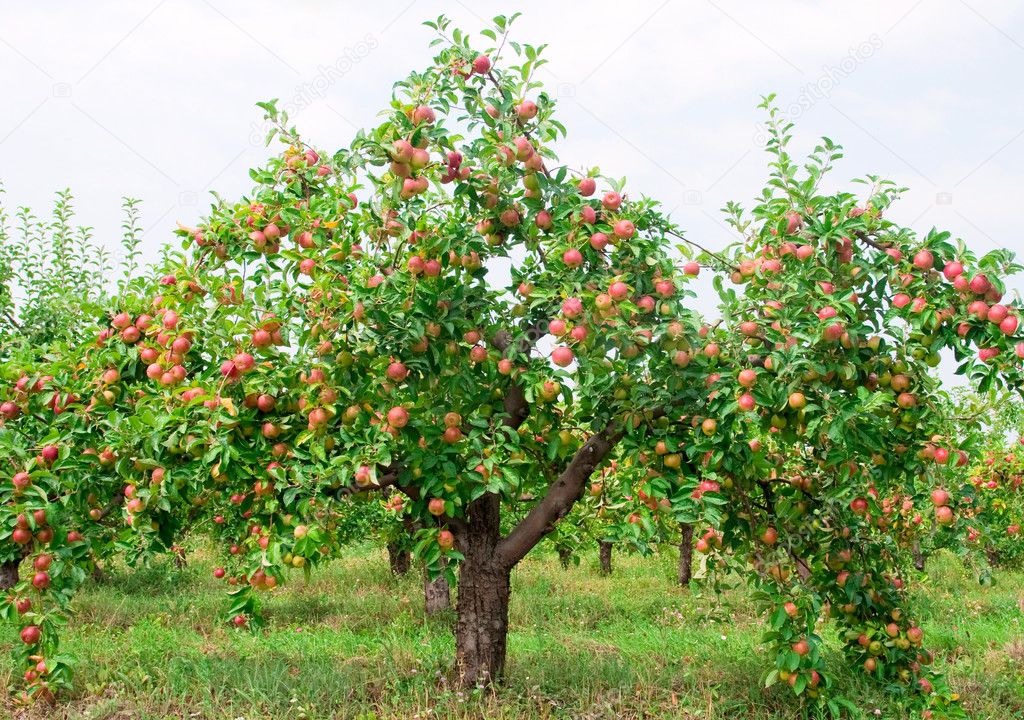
[
  {"x": 398, "y": 417},
  {"x": 436, "y": 507},
  {"x": 797, "y": 400},
  {"x": 423, "y": 115},
  {"x": 980, "y": 284},
  {"x": 940, "y": 497},
  {"x": 924, "y": 260},
  {"x": 572, "y": 258},
  {"x": 623, "y": 229},
  {"x": 611, "y": 201},
  {"x": 30, "y": 635},
  {"x": 445, "y": 540},
  {"x": 481, "y": 64},
  {"x": 562, "y": 356}
]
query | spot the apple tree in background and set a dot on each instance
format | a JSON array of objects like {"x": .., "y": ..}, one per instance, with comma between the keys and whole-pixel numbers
[{"x": 443, "y": 312}]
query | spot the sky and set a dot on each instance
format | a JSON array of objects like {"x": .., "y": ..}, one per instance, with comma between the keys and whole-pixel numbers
[{"x": 155, "y": 99}]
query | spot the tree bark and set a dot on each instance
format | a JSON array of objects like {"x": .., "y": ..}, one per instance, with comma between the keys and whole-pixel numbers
[
  {"x": 919, "y": 558},
  {"x": 605, "y": 553},
  {"x": 398, "y": 558},
  {"x": 484, "y": 590},
  {"x": 436, "y": 594},
  {"x": 481, "y": 632},
  {"x": 992, "y": 555},
  {"x": 564, "y": 557},
  {"x": 9, "y": 574},
  {"x": 686, "y": 554}
]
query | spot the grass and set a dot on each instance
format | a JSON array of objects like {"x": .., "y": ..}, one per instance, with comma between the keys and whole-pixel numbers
[{"x": 353, "y": 643}]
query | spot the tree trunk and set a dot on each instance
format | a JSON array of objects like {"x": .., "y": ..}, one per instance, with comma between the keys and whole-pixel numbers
[
  {"x": 919, "y": 557},
  {"x": 481, "y": 631},
  {"x": 564, "y": 557},
  {"x": 9, "y": 574},
  {"x": 992, "y": 555},
  {"x": 606, "y": 557},
  {"x": 436, "y": 594},
  {"x": 398, "y": 558},
  {"x": 686, "y": 554}
]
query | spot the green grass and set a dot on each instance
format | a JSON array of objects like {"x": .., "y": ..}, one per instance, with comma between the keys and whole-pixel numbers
[{"x": 353, "y": 643}]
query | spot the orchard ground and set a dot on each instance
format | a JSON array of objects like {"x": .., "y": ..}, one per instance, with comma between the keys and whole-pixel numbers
[{"x": 353, "y": 643}]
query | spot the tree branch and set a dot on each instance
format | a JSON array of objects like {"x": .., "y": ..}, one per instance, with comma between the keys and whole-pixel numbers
[{"x": 560, "y": 498}]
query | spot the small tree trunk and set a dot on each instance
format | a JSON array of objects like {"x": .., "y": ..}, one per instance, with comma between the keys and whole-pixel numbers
[
  {"x": 481, "y": 631},
  {"x": 436, "y": 594},
  {"x": 605, "y": 554},
  {"x": 398, "y": 558},
  {"x": 919, "y": 557},
  {"x": 992, "y": 555},
  {"x": 9, "y": 574},
  {"x": 686, "y": 554},
  {"x": 564, "y": 557}
]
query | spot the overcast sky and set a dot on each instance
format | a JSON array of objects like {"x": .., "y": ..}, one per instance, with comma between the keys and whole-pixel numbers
[{"x": 154, "y": 99}]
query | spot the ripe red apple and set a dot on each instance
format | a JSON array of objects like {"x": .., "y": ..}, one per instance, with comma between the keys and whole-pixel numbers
[
  {"x": 924, "y": 260},
  {"x": 573, "y": 258},
  {"x": 445, "y": 540},
  {"x": 398, "y": 417},
  {"x": 793, "y": 222},
  {"x": 953, "y": 270},
  {"x": 526, "y": 110},
  {"x": 562, "y": 356},
  {"x": 21, "y": 481},
  {"x": 940, "y": 497},
  {"x": 49, "y": 454},
  {"x": 436, "y": 507},
  {"x": 624, "y": 229},
  {"x": 746, "y": 402},
  {"x": 423, "y": 115},
  {"x": 797, "y": 400},
  {"x": 618, "y": 290},
  {"x": 611, "y": 201},
  {"x": 481, "y": 64},
  {"x": 30, "y": 635},
  {"x": 691, "y": 268},
  {"x": 944, "y": 515},
  {"x": 980, "y": 284},
  {"x": 587, "y": 186}
]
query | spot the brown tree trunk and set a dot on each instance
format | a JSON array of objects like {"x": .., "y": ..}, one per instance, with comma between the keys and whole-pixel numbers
[
  {"x": 9, "y": 574},
  {"x": 919, "y": 558},
  {"x": 992, "y": 555},
  {"x": 564, "y": 557},
  {"x": 398, "y": 558},
  {"x": 436, "y": 594},
  {"x": 605, "y": 554},
  {"x": 484, "y": 590},
  {"x": 686, "y": 554}
]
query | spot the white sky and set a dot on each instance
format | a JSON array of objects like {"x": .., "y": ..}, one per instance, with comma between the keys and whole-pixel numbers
[{"x": 154, "y": 98}]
